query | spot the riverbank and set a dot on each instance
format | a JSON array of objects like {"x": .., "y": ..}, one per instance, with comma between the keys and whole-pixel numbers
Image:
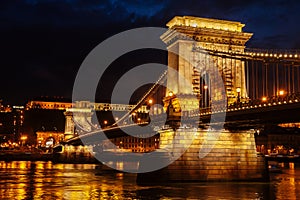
[
  {"x": 282, "y": 158},
  {"x": 25, "y": 156}
]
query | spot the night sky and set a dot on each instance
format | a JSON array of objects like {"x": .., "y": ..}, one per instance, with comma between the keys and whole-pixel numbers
[{"x": 43, "y": 42}]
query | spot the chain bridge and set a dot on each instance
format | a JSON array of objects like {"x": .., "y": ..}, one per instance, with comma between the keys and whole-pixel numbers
[{"x": 214, "y": 84}]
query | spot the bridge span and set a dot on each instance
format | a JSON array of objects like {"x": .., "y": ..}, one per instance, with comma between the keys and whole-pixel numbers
[{"x": 244, "y": 89}]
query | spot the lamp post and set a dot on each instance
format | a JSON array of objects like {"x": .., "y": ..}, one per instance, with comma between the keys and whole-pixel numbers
[
  {"x": 105, "y": 123},
  {"x": 238, "y": 91},
  {"x": 281, "y": 92},
  {"x": 205, "y": 87},
  {"x": 23, "y": 139}
]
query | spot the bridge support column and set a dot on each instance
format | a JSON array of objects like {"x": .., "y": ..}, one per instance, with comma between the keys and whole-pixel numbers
[
  {"x": 212, "y": 156},
  {"x": 69, "y": 126}
]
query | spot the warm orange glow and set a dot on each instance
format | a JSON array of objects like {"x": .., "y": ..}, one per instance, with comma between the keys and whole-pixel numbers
[
  {"x": 24, "y": 137},
  {"x": 238, "y": 90},
  {"x": 105, "y": 122},
  {"x": 205, "y": 87},
  {"x": 170, "y": 94},
  {"x": 150, "y": 101},
  {"x": 281, "y": 92},
  {"x": 205, "y": 23},
  {"x": 264, "y": 99}
]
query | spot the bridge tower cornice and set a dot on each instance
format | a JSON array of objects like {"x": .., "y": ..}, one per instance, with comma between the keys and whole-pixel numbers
[{"x": 203, "y": 31}]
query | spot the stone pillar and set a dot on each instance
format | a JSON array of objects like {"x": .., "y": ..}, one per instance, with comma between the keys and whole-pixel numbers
[
  {"x": 212, "y": 156},
  {"x": 69, "y": 126},
  {"x": 179, "y": 80},
  {"x": 82, "y": 116}
]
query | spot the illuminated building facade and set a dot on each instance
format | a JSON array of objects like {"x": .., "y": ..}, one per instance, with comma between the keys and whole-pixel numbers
[
  {"x": 49, "y": 138},
  {"x": 48, "y": 105},
  {"x": 134, "y": 144}
]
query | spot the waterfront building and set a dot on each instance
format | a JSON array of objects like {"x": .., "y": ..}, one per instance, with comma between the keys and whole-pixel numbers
[{"x": 49, "y": 138}]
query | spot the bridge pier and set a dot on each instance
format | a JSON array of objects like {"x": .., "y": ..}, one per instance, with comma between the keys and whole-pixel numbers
[{"x": 212, "y": 156}]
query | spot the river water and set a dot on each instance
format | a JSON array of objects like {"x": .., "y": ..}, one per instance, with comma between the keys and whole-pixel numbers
[{"x": 45, "y": 180}]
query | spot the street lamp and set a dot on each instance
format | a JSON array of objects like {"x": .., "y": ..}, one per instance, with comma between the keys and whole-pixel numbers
[
  {"x": 105, "y": 123},
  {"x": 281, "y": 92},
  {"x": 205, "y": 87},
  {"x": 264, "y": 99},
  {"x": 238, "y": 90},
  {"x": 23, "y": 139},
  {"x": 150, "y": 101},
  {"x": 170, "y": 94}
]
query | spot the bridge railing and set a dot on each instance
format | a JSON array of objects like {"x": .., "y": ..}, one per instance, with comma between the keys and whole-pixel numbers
[
  {"x": 270, "y": 101},
  {"x": 273, "y": 51},
  {"x": 247, "y": 104}
]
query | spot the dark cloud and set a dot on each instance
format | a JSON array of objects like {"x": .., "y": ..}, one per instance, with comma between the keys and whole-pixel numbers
[{"x": 43, "y": 42}]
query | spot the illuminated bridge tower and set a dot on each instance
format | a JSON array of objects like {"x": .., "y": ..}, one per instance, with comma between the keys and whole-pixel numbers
[
  {"x": 212, "y": 154},
  {"x": 81, "y": 115},
  {"x": 186, "y": 33}
]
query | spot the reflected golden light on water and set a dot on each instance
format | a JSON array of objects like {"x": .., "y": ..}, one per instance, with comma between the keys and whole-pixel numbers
[
  {"x": 45, "y": 180},
  {"x": 120, "y": 166},
  {"x": 292, "y": 166}
]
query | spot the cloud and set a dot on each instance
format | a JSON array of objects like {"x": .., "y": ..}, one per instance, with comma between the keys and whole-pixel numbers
[{"x": 56, "y": 35}]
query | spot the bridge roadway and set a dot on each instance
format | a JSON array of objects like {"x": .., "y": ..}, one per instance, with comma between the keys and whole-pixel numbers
[
  {"x": 238, "y": 118},
  {"x": 259, "y": 115}
]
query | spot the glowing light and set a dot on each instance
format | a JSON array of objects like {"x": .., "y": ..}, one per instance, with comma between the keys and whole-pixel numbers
[
  {"x": 171, "y": 94},
  {"x": 264, "y": 99},
  {"x": 281, "y": 92},
  {"x": 238, "y": 90},
  {"x": 150, "y": 101},
  {"x": 24, "y": 137},
  {"x": 205, "y": 87}
]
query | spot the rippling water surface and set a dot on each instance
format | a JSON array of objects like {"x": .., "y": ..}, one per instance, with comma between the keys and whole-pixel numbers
[{"x": 45, "y": 180}]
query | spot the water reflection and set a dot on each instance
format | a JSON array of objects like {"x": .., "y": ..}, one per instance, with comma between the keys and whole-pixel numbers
[
  {"x": 287, "y": 184},
  {"x": 44, "y": 180}
]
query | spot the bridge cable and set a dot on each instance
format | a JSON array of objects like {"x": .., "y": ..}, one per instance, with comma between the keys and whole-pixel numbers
[{"x": 146, "y": 95}]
